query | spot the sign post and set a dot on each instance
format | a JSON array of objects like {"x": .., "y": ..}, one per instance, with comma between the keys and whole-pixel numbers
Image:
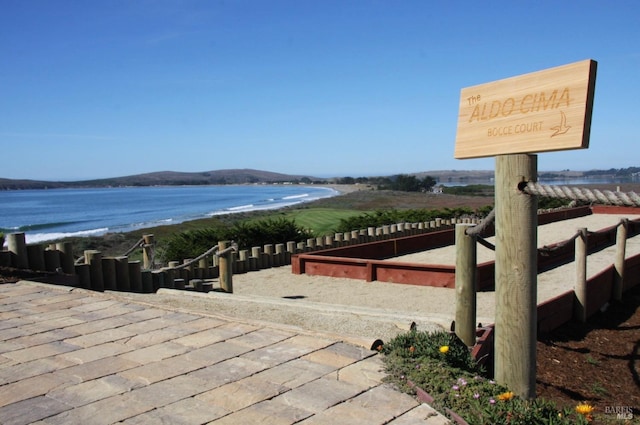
[{"x": 510, "y": 119}]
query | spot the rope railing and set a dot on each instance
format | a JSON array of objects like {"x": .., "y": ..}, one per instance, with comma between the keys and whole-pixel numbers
[
  {"x": 137, "y": 245},
  {"x": 476, "y": 230},
  {"x": 547, "y": 250},
  {"x": 210, "y": 251},
  {"x": 594, "y": 196}
]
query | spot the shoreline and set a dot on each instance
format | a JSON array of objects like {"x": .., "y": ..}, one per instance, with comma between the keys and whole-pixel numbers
[{"x": 317, "y": 194}]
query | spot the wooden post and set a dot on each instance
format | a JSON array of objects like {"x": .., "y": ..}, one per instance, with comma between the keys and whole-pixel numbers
[
  {"x": 256, "y": 252},
  {"x": 580, "y": 306},
  {"x": 516, "y": 274},
  {"x": 465, "y": 285},
  {"x": 203, "y": 265},
  {"x": 279, "y": 255},
  {"x": 134, "y": 272},
  {"x": 243, "y": 260},
  {"x": 291, "y": 249},
  {"x": 35, "y": 254},
  {"x": 123, "y": 280},
  {"x": 621, "y": 249},
  {"x": 17, "y": 244},
  {"x": 83, "y": 271},
  {"x": 226, "y": 268},
  {"x": 147, "y": 279},
  {"x": 109, "y": 273},
  {"x": 94, "y": 260},
  {"x": 148, "y": 251},
  {"x": 267, "y": 256},
  {"x": 311, "y": 244},
  {"x": 52, "y": 260},
  {"x": 66, "y": 257}
]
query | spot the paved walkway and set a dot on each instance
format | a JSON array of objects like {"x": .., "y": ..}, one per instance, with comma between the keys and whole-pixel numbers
[{"x": 69, "y": 356}]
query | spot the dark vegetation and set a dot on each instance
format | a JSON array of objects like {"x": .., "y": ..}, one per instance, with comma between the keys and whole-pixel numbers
[
  {"x": 246, "y": 234},
  {"x": 399, "y": 182}
]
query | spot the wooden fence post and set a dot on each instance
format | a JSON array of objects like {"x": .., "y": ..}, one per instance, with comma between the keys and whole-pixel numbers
[
  {"x": 35, "y": 255},
  {"x": 580, "y": 306},
  {"x": 147, "y": 279},
  {"x": 256, "y": 252},
  {"x": 203, "y": 268},
  {"x": 17, "y": 244},
  {"x": 516, "y": 274},
  {"x": 279, "y": 255},
  {"x": 94, "y": 260},
  {"x": 134, "y": 271},
  {"x": 267, "y": 256},
  {"x": 66, "y": 257},
  {"x": 123, "y": 278},
  {"x": 148, "y": 251},
  {"x": 226, "y": 267},
  {"x": 52, "y": 260},
  {"x": 109, "y": 273},
  {"x": 83, "y": 271},
  {"x": 465, "y": 281},
  {"x": 621, "y": 249}
]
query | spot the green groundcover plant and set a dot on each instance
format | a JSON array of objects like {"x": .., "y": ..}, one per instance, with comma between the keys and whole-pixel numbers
[{"x": 440, "y": 364}]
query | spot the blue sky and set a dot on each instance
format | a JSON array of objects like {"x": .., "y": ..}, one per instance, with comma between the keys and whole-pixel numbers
[{"x": 92, "y": 89}]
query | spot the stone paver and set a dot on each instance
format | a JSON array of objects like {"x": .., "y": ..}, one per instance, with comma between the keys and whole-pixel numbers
[
  {"x": 77, "y": 357},
  {"x": 421, "y": 415}
]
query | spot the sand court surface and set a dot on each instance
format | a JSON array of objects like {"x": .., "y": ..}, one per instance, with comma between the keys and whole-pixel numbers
[{"x": 370, "y": 310}]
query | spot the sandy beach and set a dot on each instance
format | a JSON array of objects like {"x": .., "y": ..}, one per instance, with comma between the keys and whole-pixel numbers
[{"x": 363, "y": 311}]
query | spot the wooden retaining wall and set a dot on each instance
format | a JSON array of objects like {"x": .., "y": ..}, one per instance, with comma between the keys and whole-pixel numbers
[
  {"x": 557, "y": 311},
  {"x": 365, "y": 261}
]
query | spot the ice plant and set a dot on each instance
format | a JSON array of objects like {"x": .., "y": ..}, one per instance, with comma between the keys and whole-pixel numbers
[
  {"x": 506, "y": 396},
  {"x": 444, "y": 349},
  {"x": 585, "y": 409}
]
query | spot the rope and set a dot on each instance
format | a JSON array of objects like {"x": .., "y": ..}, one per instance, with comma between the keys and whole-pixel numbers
[
  {"x": 546, "y": 250},
  {"x": 134, "y": 247},
  {"x": 485, "y": 243},
  {"x": 594, "y": 196},
  {"x": 475, "y": 230},
  {"x": 233, "y": 247}
]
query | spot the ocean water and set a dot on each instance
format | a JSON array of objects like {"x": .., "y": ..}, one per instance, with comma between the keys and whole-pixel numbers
[{"x": 45, "y": 215}]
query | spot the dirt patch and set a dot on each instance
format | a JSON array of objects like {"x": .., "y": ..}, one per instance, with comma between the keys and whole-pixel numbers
[{"x": 597, "y": 362}]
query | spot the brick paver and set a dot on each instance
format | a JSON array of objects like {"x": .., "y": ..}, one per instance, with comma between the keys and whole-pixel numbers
[{"x": 77, "y": 357}]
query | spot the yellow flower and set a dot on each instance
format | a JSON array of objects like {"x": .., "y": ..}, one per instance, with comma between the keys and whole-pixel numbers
[
  {"x": 444, "y": 349},
  {"x": 505, "y": 396},
  {"x": 584, "y": 409}
]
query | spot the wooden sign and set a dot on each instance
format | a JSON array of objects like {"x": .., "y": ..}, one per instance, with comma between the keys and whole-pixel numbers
[{"x": 548, "y": 110}]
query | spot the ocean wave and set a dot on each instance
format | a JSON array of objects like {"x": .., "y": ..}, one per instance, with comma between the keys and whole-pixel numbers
[
  {"x": 43, "y": 237},
  {"x": 241, "y": 207},
  {"x": 40, "y": 226},
  {"x": 304, "y": 195}
]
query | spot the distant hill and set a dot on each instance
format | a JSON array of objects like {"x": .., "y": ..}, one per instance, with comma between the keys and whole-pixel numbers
[
  {"x": 249, "y": 176},
  {"x": 165, "y": 178}
]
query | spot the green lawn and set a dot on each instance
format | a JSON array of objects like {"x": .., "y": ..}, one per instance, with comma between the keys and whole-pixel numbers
[{"x": 322, "y": 221}]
